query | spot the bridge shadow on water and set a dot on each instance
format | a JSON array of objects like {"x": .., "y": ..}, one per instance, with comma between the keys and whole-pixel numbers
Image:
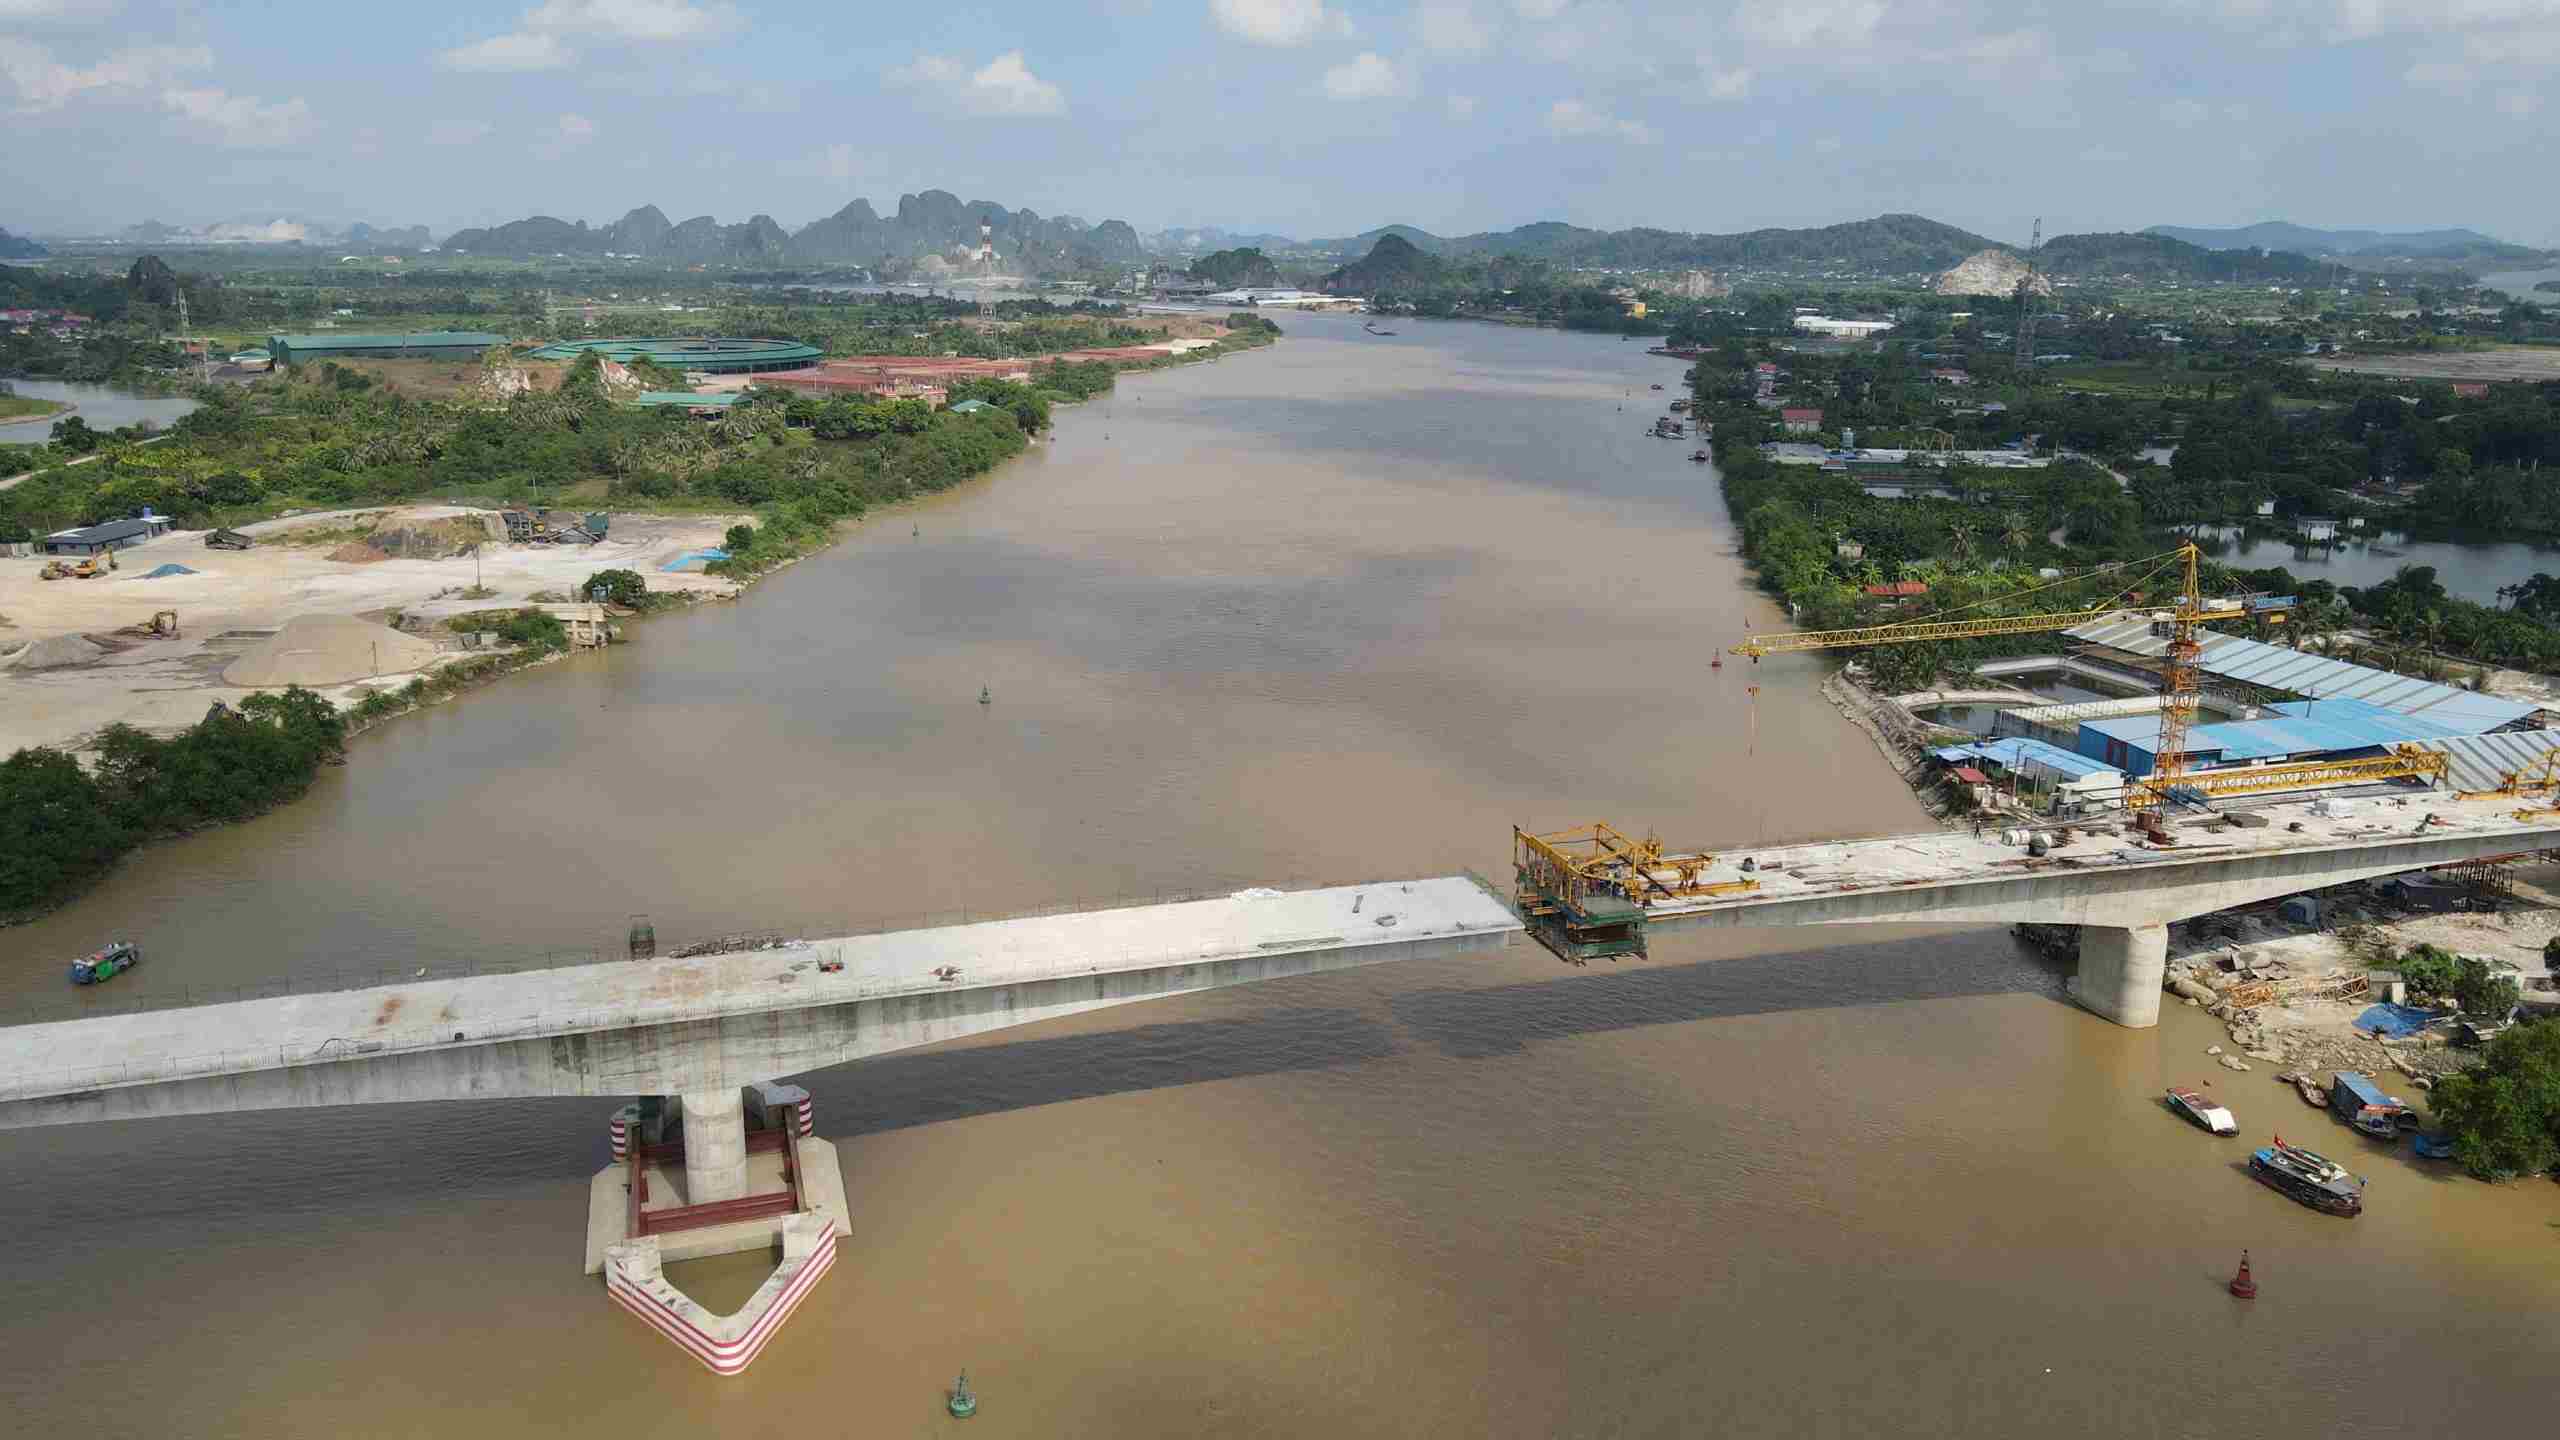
[{"x": 926, "y": 1087}]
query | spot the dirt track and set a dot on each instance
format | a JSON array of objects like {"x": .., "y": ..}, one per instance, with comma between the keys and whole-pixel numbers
[{"x": 2503, "y": 362}]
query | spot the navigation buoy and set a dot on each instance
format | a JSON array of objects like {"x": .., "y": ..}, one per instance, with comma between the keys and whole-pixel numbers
[
  {"x": 1716, "y": 664},
  {"x": 986, "y": 696},
  {"x": 2242, "y": 1284},
  {"x": 963, "y": 1404}
]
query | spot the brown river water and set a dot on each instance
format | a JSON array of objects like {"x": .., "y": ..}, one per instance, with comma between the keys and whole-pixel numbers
[{"x": 1344, "y": 609}]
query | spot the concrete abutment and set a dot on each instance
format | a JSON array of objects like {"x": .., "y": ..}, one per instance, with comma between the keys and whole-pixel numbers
[{"x": 2121, "y": 970}]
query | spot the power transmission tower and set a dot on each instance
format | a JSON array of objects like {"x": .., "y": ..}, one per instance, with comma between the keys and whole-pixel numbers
[{"x": 2027, "y": 302}]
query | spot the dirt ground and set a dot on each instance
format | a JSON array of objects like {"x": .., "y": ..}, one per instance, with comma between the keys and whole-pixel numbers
[
  {"x": 239, "y": 597},
  {"x": 447, "y": 380},
  {"x": 2308, "y": 1033},
  {"x": 2498, "y": 362}
]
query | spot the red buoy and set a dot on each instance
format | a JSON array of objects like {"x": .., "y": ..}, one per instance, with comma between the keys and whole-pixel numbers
[{"x": 2241, "y": 1284}]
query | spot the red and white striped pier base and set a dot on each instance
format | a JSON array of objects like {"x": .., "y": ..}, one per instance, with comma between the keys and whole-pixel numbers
[{"x": 727, "y": 1344}]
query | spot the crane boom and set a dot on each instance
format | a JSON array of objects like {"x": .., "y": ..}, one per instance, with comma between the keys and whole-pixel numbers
[{"x": 1790, "y": 642}]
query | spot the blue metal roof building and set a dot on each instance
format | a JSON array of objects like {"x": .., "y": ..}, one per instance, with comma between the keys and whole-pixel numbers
[
  {"x": 2293, "y": 729},
  {"x": 2229, "y": 657},
  {"x": 2018, "y": 752}
]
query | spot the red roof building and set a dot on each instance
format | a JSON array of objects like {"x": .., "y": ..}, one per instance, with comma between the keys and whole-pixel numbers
[{"x": 1898, "y": 590}]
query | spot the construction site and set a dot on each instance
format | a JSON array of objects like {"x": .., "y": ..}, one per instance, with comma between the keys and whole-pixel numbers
[
  {"x": 342, "y": 602},
  {"x": 2313, "y": 800}
]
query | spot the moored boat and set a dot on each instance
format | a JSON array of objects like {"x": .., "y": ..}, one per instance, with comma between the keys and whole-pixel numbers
[
  {"x": 2308, "y": 1178},
  {"x": 2196, "y": 1107},
  {"x": 106, "y": 964}
]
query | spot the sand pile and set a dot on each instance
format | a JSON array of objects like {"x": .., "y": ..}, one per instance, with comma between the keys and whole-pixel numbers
[
  {"x": 357, "y": 552},
  {"x": 437, "y": 539},
  {"x": 53, "y": 653},
  {"x": 328, "y": 650}
]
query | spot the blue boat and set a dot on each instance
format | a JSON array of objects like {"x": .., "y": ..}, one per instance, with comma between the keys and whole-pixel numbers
[{"x": 2433, "y": 1145}]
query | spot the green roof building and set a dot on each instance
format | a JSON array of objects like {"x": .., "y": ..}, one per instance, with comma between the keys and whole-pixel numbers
[
  {"x": 424, "y": 345},
  {"x": 970, "y": 407},
  {"x": 712, "y": 354},
  {"x": 687, "y": 399}
]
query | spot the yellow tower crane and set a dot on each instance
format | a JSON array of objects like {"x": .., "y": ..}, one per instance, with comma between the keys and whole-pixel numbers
[{"x": 2178, "y": 688}]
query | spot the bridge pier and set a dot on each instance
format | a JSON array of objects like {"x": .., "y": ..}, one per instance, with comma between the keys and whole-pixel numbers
[
  {"x": 2121, "y": 970},
  {"x": 715, "y": 1145}
]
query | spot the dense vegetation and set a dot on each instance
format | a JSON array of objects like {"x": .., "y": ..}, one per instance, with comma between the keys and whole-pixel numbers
[
  {"x": 1396, "y": 276},
  {"x": 2503, "y": 1114},
  {"x": 61, "y": 827}
]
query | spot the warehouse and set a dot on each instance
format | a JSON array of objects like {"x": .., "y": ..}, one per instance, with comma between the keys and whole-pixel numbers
[
  {"x": 708, "y": 354},
  {"x": 113, "y": 535},
  {"x": 2295, "y": 730},
  {"x": 291, "y": 350}
]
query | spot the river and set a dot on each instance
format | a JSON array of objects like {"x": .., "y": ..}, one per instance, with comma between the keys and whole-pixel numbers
[
  {"x": 2468, "y": 569},
  {"x": 1345, "y": 608},
  {"x": 105, "y": 407}
]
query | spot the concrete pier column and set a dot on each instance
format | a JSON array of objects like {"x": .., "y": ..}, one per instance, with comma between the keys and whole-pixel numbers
[
  {"x": 715, "y": 1145},
  {"x": 2121, "y": 969}
]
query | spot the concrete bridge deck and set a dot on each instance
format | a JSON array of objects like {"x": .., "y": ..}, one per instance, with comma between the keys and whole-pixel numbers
[
  {"x": 667, "y": 1026},
  {"x": 2103, "y": 877}
]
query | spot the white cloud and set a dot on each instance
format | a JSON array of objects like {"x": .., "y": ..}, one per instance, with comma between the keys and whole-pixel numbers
[
  {"x": 522, "y": 50},
  {"x": 1733, "y": 84},
  {"x": 550, "y": 35},
  {"x": 2519, "y": 104},
  {"x": 576, "y": 129},
  {"x": 640, "y": 20},
  {"x": 1540, "y": 9},
  {"x": 2185, "y": 113},
  {"x": 37, "y": 82},
  {"x": 1365, "y": 76},
  {"x": 1278, "y": 22},
  {"x": 1003, "y": 88},
  {"x": 1450, "y": 27},
  {"x": 1461, "y": 106},
  {"x": 239, "y": 122},
  {"x": 1577, "y": 119},
  {"x": 458, "y": 132},
  {"x": 1827, "y": 145},
  {"x": 56, "y": 9},
  {"x": 1814, "y": 24}
]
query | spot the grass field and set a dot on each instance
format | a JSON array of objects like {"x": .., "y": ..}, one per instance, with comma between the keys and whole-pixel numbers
[{"x": 26, "y": 407}]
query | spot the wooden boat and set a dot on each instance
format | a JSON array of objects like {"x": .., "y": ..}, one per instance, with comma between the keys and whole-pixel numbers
[{"x": 2194, "y": 1105}]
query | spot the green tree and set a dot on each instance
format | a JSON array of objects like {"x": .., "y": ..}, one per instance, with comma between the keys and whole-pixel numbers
[
  {"x": 2503, "y": 1114},
  {"x": 73, "y": 434},
  {"x": 58, "y": 831},
  {"x": 625, "y": 588},
  {"x": 2484, "y": 993},
  {"x": 2429, "y": 971}
]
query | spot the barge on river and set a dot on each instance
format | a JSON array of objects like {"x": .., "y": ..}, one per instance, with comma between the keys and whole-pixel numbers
[{"x": 2309, "y": 1178}]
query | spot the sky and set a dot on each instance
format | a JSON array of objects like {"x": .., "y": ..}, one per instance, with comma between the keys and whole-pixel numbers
[{"x": 1304, "y": 117}]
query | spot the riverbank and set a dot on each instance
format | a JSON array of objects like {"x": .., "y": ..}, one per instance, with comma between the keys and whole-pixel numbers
[{"x": 31, "y": 410}]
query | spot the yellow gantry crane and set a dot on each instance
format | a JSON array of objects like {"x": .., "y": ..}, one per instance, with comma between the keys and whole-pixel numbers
[
  {"x": 1586, "y": 893},
  {"x": 2178, "y": 687}
]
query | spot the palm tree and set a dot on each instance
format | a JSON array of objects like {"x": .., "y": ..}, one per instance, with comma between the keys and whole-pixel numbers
[
  {"x": 2014, "y": 531},
  {"x": 1960, "y": 540}
]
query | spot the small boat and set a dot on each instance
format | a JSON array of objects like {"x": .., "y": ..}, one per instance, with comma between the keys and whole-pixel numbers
[
  {"x": 2308, "y": 1178},
  {"x": 1657, "y": 387},
  {"x": 1372, "y": 328},
  {"x": 2433, "y": 1145},
  {"x": 1701, "y": 456},
  {"x": 2194, "y": 1105},
  {"x": 106, "y": 964}
]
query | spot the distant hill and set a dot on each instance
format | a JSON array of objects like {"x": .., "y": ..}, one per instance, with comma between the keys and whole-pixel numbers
[
  {"x": 935, "y": 222},
  {"x": 2152, "y": 256},
  {"x": 1393, "y": 265},
  {"x": 18, "y": 247},
  {"x": 1887, "y": 242},
  {"x": 1208, "y": 238},
  {"x": 1236, "y": 269},
  {"x": 2375, "y": 244}
]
